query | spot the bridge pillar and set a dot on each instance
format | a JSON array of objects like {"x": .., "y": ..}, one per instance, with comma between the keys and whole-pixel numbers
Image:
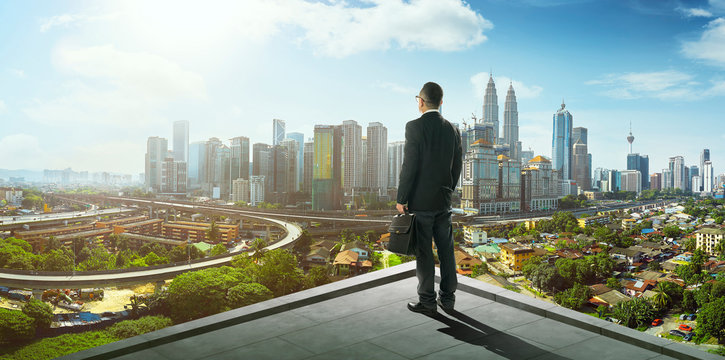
[
  {"x": 38, "y": 294},
  {"x": 159, "y": 285}
]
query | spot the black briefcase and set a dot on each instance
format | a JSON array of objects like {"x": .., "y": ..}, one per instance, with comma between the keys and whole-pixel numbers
[{"x": 402, "y": 234}]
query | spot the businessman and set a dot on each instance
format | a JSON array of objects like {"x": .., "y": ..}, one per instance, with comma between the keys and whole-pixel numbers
[{"x": 431, "y": 167}]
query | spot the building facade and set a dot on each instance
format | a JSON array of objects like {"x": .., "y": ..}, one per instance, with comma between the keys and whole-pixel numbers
[
  {"x": 511, "y": 124},
  {"x": 377, "y": 154},
  {"x": 278, "y": 131},
  {"x": 561, "y": 145},
  {"x": 353, "y": 171},
  {"x": 490, "y": 110},
  {"x": 156, "y": 152}
]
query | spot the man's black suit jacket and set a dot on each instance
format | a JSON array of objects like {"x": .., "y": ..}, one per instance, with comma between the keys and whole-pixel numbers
[{"x": 432, "y": 163}]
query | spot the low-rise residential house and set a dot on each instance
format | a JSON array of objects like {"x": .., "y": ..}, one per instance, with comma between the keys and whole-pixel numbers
[
  {"x": 474, "y": 235},
  {"x": 465, "y": 262},
  {"x": 569, "y": 254},
  {"x": 713, "y": 265},
  {"x": 513, "y": 255},
  {"x": 609, "y": 298},
  {"x": 648, "y": 275},
  {"x": 317, "y": 256},
  {"x": 637, "y": 287},
  {"x": 347, "y": 263},
  {"x": 327, "y": 244},
  {"x": 708, "y": 238},
  {"x": 631, "y": 255},
  {"x": 628, "y": 224},
  {"x": 359, "y": 247},
  {"x": 590, "y": 220}
]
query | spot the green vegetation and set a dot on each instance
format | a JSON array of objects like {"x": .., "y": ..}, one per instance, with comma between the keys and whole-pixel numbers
[{"x": 50, "y": 348}]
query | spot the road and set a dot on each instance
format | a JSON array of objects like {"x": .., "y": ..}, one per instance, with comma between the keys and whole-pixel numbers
[
  {"x": 28, "y": 219},
  {"x": 80, "y": 280}
]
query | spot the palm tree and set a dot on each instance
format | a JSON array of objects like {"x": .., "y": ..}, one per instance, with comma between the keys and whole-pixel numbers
[
  {"x": 661, "y": 298},
  {"x": 213, "y": 232},
  {"x": 720, "y": 249},
  {"x": 258, "y": 246}
]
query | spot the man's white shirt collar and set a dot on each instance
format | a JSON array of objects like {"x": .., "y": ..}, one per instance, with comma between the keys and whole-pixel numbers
[{"x": 436, "y": 110}]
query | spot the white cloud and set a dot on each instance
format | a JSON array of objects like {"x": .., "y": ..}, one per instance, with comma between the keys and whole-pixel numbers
[
  {"x": 17, "y": 72},
  {"x": 669, "y": 84},
  {"x": 695, "y": 12},
  {"x": 69, "y": 20},
  {"x": 114, "y": 87},
  {"x": 340, "y": 30},
  {"x": 523, "y": 91},
  {"x": 396, "y": 87},
  {"x": 711, "y": 45},
  {"x": 17, "y": 149}
]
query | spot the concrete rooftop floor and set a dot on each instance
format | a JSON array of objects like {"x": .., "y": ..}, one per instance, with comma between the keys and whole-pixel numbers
[{"x": 365, "y": 317}]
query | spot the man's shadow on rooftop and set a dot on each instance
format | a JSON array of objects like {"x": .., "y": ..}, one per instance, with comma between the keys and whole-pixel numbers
[{"x": 474, "y": 332}]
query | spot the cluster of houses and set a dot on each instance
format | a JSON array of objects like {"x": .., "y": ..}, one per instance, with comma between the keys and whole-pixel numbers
[{"x": 352, "y": 259}]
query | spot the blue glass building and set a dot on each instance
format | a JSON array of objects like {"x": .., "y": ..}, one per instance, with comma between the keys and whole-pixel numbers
[{"x": 561, "y": 144}]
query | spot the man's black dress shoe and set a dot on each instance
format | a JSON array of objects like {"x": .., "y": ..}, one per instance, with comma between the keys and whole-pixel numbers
[
  {"x": 420, "y": 308},
  {"x": 445, "y": 307}
]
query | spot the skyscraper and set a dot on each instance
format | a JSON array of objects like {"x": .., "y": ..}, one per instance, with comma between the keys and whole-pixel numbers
[
  {"x": 395, "y": 162},
  {"x": 640, "y": 163},
  {"x": 704, "y": 156},
  {"x": 197, "y": 164},
  {"x": 156, "y": 151},
  {"x": 262, "y": 165},
  {"x": 631, "y": 180},
  {"x": 308, "y": 167},
  {"x": 181, "y": 140},
  {"x": 580, "y": 165},
  {"x": 708, "y": 177},
  {"x": 278, "y": 131},
  {"x": 655, "y": 181},
  {"x": 353, "y": 171},
  {"x": 490, "y": 109},
  {"x": 561, "y": 145},
  {"x": 677, "y": 169},
  {"x": 216, "y": 180},
  {"x": 173, "y": 176},
  {"x": 300, "y": 138},
  {"x": 580, "y": 133},
  {"x": 327, "y": 168},
  {"x": 511, "y": 124},
  {"x": 377, "y": 166},
  {"x": 291, "y": 145},
  {"x": 240, "y": 158}
]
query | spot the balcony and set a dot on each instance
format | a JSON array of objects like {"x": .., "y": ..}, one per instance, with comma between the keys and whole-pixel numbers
[{"x": 365, "y": 317}]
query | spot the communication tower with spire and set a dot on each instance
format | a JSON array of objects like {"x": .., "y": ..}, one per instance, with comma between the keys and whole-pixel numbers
[{"x": 630, "y": 138}]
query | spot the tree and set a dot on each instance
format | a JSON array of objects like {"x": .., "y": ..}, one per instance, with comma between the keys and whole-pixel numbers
[
  {"x": 720, "y": 249},
  {"x": 278, "y": 271},
  {"x": 98, "y": 258},
  {"x": 672, "y": 231},
  {"x": 317, "y": 276},
  {"x": 152, "y": 259},
  {"x": 634, "y": 313},
  {"x": 479, "y": 270},
  {"x": 258, "y": 248},
  {"x": 40, "y": 312},
  {"x": 711, "y": 319},
  {"x": 655, "y": 266},
  {"x": 218, "y": 249},
  {"x": 212, "y": 233},
  {"x": 56, "y": 260},
  {"x": 247, "y": 294},
  {"x": 661, "y": 299},
  {"x": 574, "y": 297},
  {"x": 613, "y": 284},
  {"x": 196, "y": 294},
  {"x": 15, "y": 326},
  {"x": 689, "y": 304}
]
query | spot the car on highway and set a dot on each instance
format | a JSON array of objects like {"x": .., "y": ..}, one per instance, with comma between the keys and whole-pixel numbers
[
  {"x": 677, "y": 333},
  {"x": 685, "y": 327},
  {"x": 657, "y": 322}
]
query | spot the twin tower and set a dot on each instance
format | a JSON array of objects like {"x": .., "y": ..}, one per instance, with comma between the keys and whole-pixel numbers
[{"x": 510, "y": 137}]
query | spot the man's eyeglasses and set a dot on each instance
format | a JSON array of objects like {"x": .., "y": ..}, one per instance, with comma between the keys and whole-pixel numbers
[{"x": 418, "y": 97}]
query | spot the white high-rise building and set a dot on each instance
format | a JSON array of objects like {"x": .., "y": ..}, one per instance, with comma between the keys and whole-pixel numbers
[
  {"x": 156, "y": 151},
  {"x": 395, "y": 162},
  {"x": 353, "y": 161},
  {"x": 181, "y": 140},
  {"x": 511, "y": 124},
  {"x": 490, "y": 108},
  {"x": 377, "y": 166},
  {"x": 240, "y": 190},
  {"x": 696, "y": 183},
  {"x": 278, "y": 131},
  {"x": 708, "y": 177},
  {"x": 631, "y": 180},
  {"x": 256, "y": 189}
]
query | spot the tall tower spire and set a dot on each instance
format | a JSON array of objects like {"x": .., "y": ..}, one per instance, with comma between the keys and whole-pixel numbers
[
  {"x": 511, "y": 124},
  {"x": 630, "y": 138},
  {"x": 490, "y": 107}
]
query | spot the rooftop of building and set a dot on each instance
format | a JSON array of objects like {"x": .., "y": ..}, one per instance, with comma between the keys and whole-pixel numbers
[
  {"x": 364, "y": 317},
  {"x": 515, "y": 247},
  {"x": 711, "y": 231},
  {"x": 539, "y": 158}
]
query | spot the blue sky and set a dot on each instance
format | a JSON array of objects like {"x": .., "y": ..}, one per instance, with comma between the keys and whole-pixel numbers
[{"x": 84, "y": 83}]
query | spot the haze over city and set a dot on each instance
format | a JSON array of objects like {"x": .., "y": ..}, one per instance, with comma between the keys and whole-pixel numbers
[{"x": 85, "y": 84}]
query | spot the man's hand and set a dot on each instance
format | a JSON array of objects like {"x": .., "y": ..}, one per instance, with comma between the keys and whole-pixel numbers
[{"x": 401, "y": 208}]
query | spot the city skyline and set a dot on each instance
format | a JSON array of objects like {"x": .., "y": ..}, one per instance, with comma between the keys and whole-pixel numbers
[{"x": 107, "y": 76}]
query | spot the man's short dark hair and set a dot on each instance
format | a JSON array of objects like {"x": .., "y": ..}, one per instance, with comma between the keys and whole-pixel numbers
[{"x": 433, "y": 94}]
